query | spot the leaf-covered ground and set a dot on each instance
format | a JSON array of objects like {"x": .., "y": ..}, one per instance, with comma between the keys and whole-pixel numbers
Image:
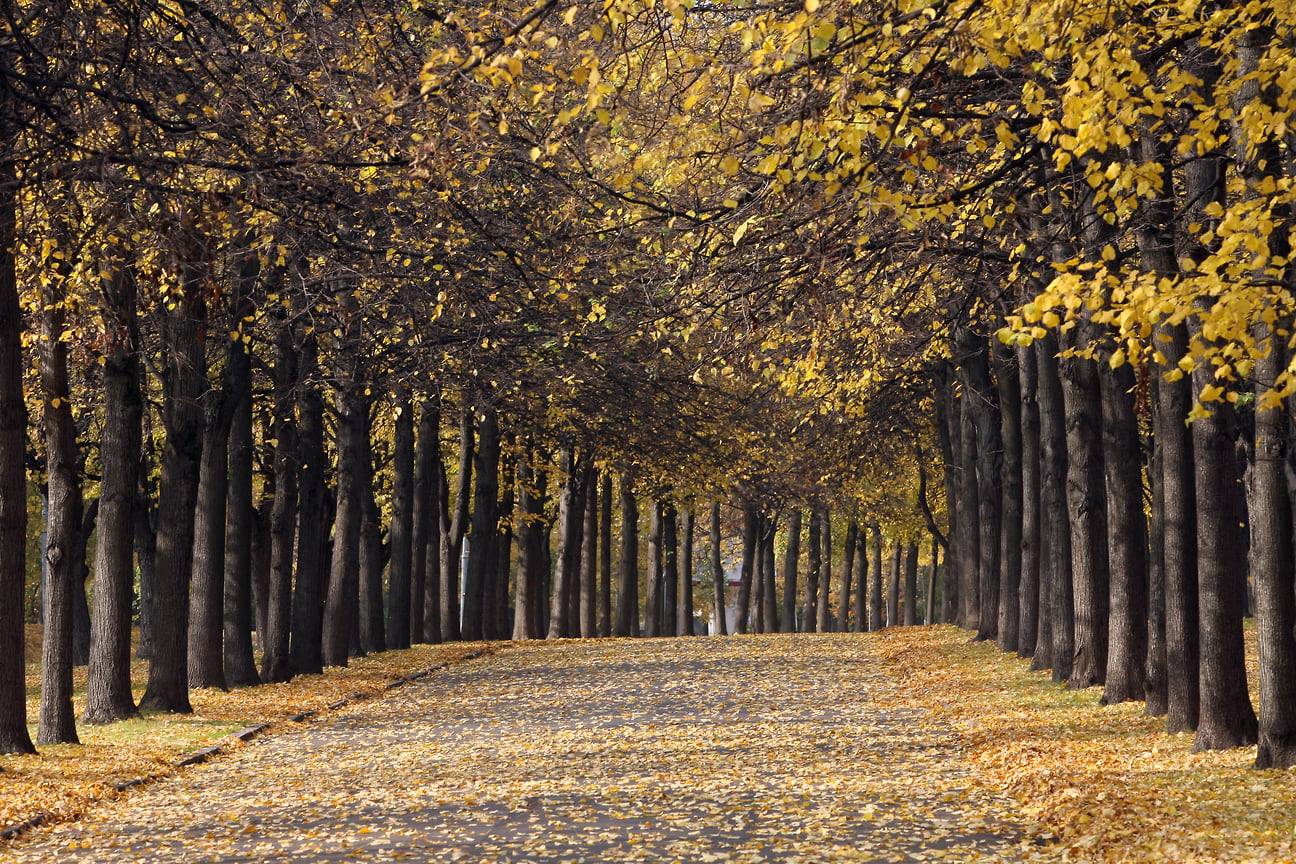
[
  {"x": 911, "y": 744},
  {"x": 64, "y": 780}
]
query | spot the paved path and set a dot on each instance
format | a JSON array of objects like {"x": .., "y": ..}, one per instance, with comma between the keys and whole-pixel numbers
[{"x": 751, "y": 749}]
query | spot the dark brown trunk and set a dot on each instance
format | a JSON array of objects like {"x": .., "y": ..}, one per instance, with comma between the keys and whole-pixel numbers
[
  {"x": 145, "y": 539},
  {"x": 283, "y": 513},
  {"x": 876, "y": 608},
  {"x": 814, "y": 552},
  {"x": 751, "y": 520},
  {"x": 605, "y": 557},
  {"x": 948, "y": 434},
  {"x": 860, "y": 624},
  {"x": 402, "y": 523},
  {"x": 929, "y": 608},
  {"x": 1055, "y": 528},
  {"x": 530, "y": 531},
  {"x": 423, "y": 529},
  {"x": 236, "y": 612},
  {"x": 373, "y": 635},
  {"x": 57, "y": 724},
  {"x": 847, "y": 571},
  {"x": 589, "y": 557},
  {"x": 983, "y": 403},
  {"x": 1006, "y": 365},
  {"x": 790, "y": 556},
  {"x": 968, "y": 538},
  {"x": 13, "y": 483},
  {"x": 823, "y": 616},
  {"x": 768, "y": 582},
  {"x": 184, "y": 379},
  {"x": 627, "y": 617},
  {"x": 436, "y": 503},
  {"x": 453, "y": 528},
  {"x": 108, "y": 684},
  {"x": 306, "y": 651},
  {"x": 893, "y": 586},
  {"x": 499, "y": 593},
  {"x": 670, "y": 572},
  {"x": 342, "y": 597},
  {"x": 566, "y": 559},
  {"x": 1029, "y": 588},
  {"x": 485, "y": 526},
  {"x": 261, "y": 570},
  {"x": 911, "y": 585},
  {"x": 686, "y": 575},
  {"x": 1154, "y": 685},
  {"x": 758, "y": 579},
  {"x": 717, "y": 572},
  {"x": 653, "y": 586}
]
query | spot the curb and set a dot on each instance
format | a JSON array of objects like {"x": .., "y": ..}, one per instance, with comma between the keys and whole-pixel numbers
[{"x": 247, "y": 733}]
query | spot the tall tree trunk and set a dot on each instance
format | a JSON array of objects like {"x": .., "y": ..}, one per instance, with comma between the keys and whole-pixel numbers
[
  {"x": 1031, "y": 557},
  {"x": 402, "y": 523},
  {"x": 758, "y": 578},
  {"x": 274, "y": 663},
  {"x": 531, "y": 484},
  {"x": 184, "y": 379},
  {"x": 769, "y": 587},
  {"x": 911, "y": 585},
  {"x": 860, "y": 624},
  {"x": 108, "y": 684},
  {"x": 876, "y": 609},
  {"x": 1154, "y": 684},
  {"x": 145, "y": 539},
  {"x": 987, "y": 428},
  {"x": 814, "y": 553},
  {"x": 929, "y": 608},
  {"x": 1055, "y": 528},
  {"x": 847, "y": 571},
  {"x": 13, "y": 482},
  {"x": 373, "y": 636},
  {"x": 570, "y": 510},
  {"x": 627, "y": 617},
  {"x": 686, "y": 575},
  {"x": 485, "y": 525},
  {"x": 306, "y": 650},
  {"x": 507, "y": 510},
  {"x": 823, "y": 617},
  {"x": 589, "y": 557},
  {"x": 453, "y": 528},
  {"x": 717, "y": 572},
  {"x": 57, "y": 723},
  {"x": 605, "y": 557},
  {"x": 1011, "y": 533},
  {"x": 893, "y": 586},
  {"x": 948, "y": 426},
  {"x": 751, "y": 520},
  {"x": 790, "y": 556},
  {"x": 653, "y": 592},
  {"x": 342, "y": 598},
  {"x": 80, "y": 578},
  {"x": 968, "y": 539},
  {"x": 423, "y": 529},
  {"x": 436, "y": 503},
  {"x": 670, "y": 571},
  {"x": 236, "y": 611}
]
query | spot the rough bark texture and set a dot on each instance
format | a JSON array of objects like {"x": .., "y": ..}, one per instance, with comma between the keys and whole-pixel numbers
[
  {"x": 717, "y": 571},
  {"x": 686, "y": 574},
  {"x": 402, "y": 524},
  {"x": 1055, "y": 529},
  {"x": 860, "y": 622},
  {"x": 605, "y": 557},
  {"x": 283, "y": 513},
  {"x": 567, "y": 561},
  {"x": 373, "y": 635},
  {"x": 589, "y": 557},
  {"x": 430, "y": 430},
  {"x": 1154, "y": 683},
  {"x": 910, "y": 588},
  {"x": 108, "y": 684},
  {"x": 240, "y": 661},
  {"x": 814, "y": 551},
  {"x": 948, "y": 434},
  {"x": 453, "y": 528},
  {"x": 313, "y": 517},
  {"x": 790, "y": 556},
  {"x": 184, "y": 379},
  {"x": 485, "y": 525},
  {"x": 627, "y": 616},
  {"x": 823, "y": 617},
  {"x": 57, "y": 724},
  {"x": 423, "y": 530},
  {"x": 893, "y": 587},
  {"x": 876, "y": 621},
  {"x": 982, "y": 402},
  {"x": 929, "y": 611},
  {"x": 13, "y": 485},
  {"x": 653, "y": 578},
  {"x": 847, "y": 572},
  {"x": 343, "y": 596},
  {"x": 751, "y": 525},
  {"x": 1029, "y": 609},
  {"x": 670, "y": 571},
  {"x": 530, "y": 523},
  {"x": 1010, "y": 537},
  {"x": 968, "y": 539}
]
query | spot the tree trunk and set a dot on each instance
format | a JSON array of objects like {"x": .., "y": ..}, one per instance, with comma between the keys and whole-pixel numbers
[
  {"x": 108, "y": 684},
  {"x": 911, "y": 585},
  {"x": 605, "y": 558},
  {"x": 717, "y": 572},
  {"x": 670, "y": 571},
  {"x": 13, "y": 483},
  {"x": 485, "y": 526},
  {"x": 435, "y": 504},
  {"x": 184, "y": 379},
  {"x": 402, "y": 523},
  {"x": 627, "y": 617},
  {"x": 507, "y": 516},
  {"x": 342, "y": 598},
  {"x": 1154, "y": 684},
  {"x": 968, "y": 539},
  {"x": 373, "y": 636},
  {"x": 236, "y": 612},
  {"x": 1055, "y": 528},
  {"x": 453, "y": 528},
  {"x": 929, "y": 608},
  {"x": 531, "y": 493},
  {"x": 847, "y": 571},
  {"x": 145, "y": 539},
  {"x": 686, "y": 575},
  {"x": 948, "y": 427},
  {"x": 81, "y": 578},
  {"x": 652, "y": 594},
  {"x": 814, "y": 553},
  {"x": 876, "y": 609},
  {"x": 570, "y": 510},
  {"x": 893, "y": 587},
  {"x": 751, "y": 521},
  {"x": 57, "y": 723},
  {"x": 589, "y": 557},
  {"x": 275, "y": 663},
  {"x": 1011, "y": 533},
  {"x": 306, "y": 651},
  {"x": 983, "y": 403},
  {"x": 790, "y": 556},
  {"x": 1030, "y": 593},
  {"x": 823, "y": 618},
  {"x": 860, "y": 623},
  {"x": 758, "y": 578},
  {"x": 769, "y": 586},
  {"x": 423, "y": 529}
]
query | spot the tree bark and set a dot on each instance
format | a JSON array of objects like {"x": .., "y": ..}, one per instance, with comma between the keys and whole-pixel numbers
[
  {"x": 814, "y": 553},
  {"x": 236, "y": 613},
  {"x": 453, "y": 528},
  {"x": 373, "y": 635},
  {"x": 184, "y": 379},
  {"x": 605, "y": 557},
  {"x": 893, "y": 587},
  {"x": 108, "y": 685},
  {"x": 983, "y": 403},
  {"x": 306, "y": 649},
  {"x": 498, "y": 606},
  {"x": 485, "y": 526},
  {"x": 948, "y": 427},
  {"x": 911, "y": 585},
  {"x": 436, "y": 503},
  {"x": 653, "y": 592},
  {"x": 967, "y": 517},
  {"x": 876, "y": 609},
  {"x": 790, "y": 557},
  {"x": 402, "y": 523},
  {"x": 717, "y": 572},
  {"x": 823, "y": 617},
  {"x": 570, "y": 510},
  {"x": 627, "y": 617},
  {"x": 1055, "y": 528},
  {"x": 423, "y": 529},
  {"x": 342, "y": 597},
  {"x": 1011, "y": 533},
  {"x": 589, "y": 557},
  {"x": 275, "y": 662},
  {"x": 751, "y": 519},
  {"x": 860, "y": 623},
  {"x": 847, "y": 571},
  {"x": 670, "y": 571},
  {"x": 928, "y": 616},
  {"x": 768, "y": 584},
  {"x": 686, "y": 574},
  {"x": 1154, "y": 684},
  {"x": 1029, "y": 610},
  {"x": 531, "y": 494}
]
